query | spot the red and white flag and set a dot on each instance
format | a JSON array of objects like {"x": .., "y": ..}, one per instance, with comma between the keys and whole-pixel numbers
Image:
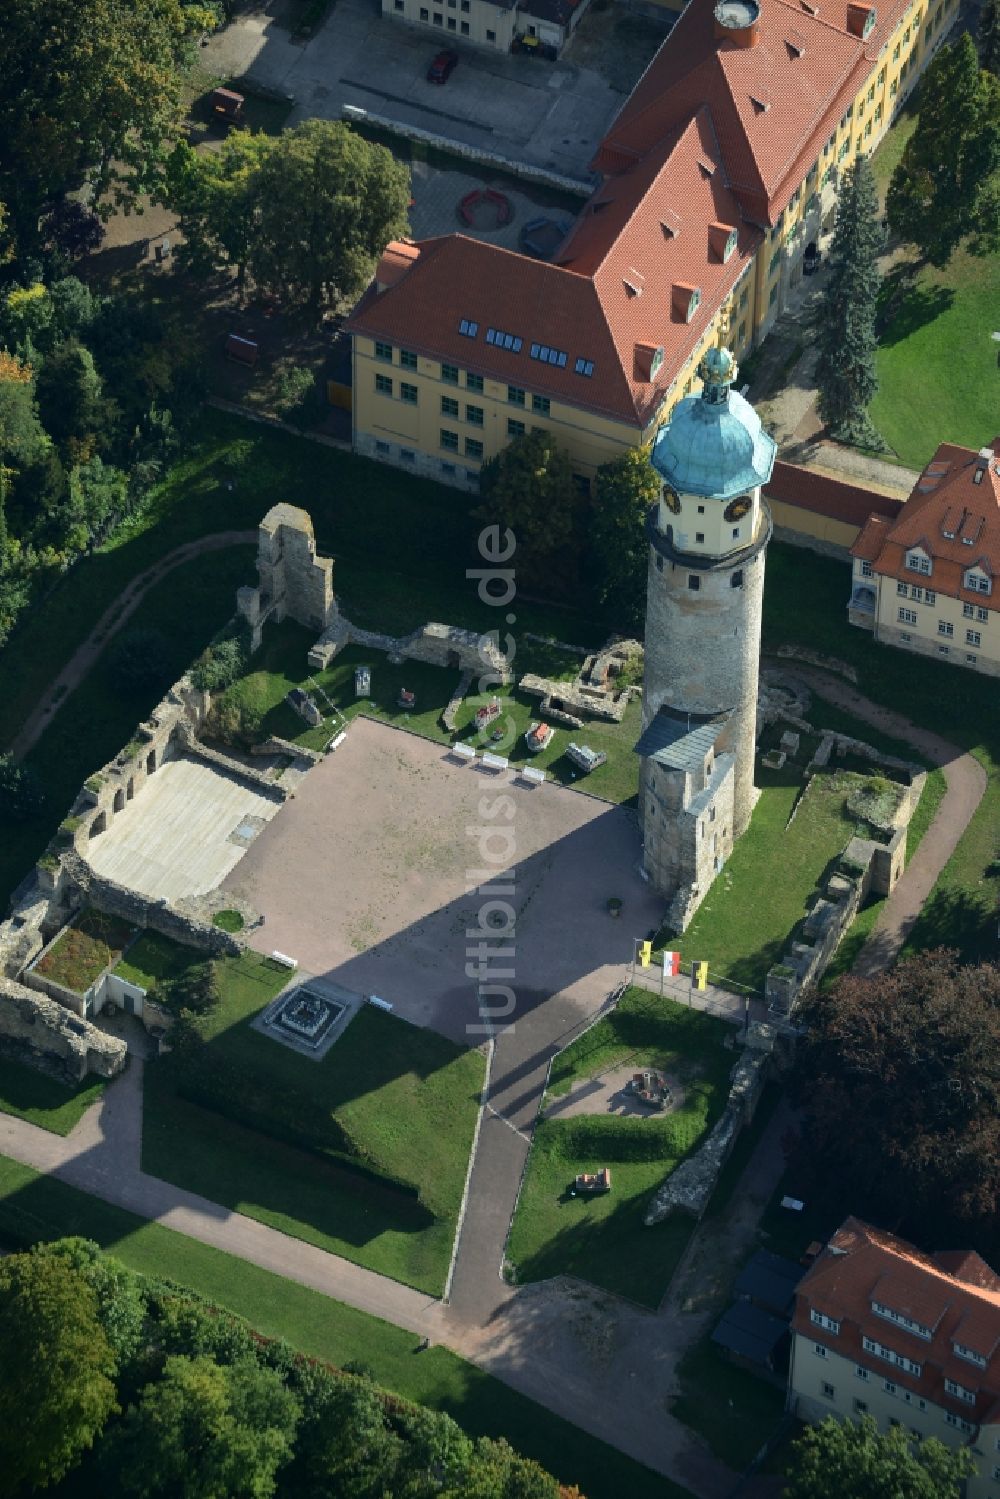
[{"x": 671, "y": 964}]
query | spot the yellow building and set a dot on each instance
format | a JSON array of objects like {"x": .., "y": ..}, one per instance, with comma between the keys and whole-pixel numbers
[
  {"x": 929, "y": 580},
  {"x": 909, "y": 1339},
  {"x": 492, "y": 23},
  {"x": 716, "y": 175}
]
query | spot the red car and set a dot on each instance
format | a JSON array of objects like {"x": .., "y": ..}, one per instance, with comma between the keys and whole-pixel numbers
[{"x": 442, "y": 67}]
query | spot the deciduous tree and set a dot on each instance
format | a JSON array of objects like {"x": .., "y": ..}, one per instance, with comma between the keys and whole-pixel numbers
[
  {"x": 625, "y": 489},
  {"x": 56, "y": 1370},
  {"x": 899, "y": 1077},
  {"x": 529, "y": 489},
  {"x": 215, "y": 194},
  {"x": 945, "y": 188},
  {"x": 840, "y": 1458},
  {"x": 846, "y": 325}
]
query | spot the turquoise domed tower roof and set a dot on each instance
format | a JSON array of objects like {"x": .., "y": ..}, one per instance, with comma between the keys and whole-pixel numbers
[{"x": 714, "y": 443}]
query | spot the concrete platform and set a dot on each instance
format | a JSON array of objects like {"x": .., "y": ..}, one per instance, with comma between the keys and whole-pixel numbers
[
  {"x": 179, "y": 836},
  {"x": 371, "y": 878}
]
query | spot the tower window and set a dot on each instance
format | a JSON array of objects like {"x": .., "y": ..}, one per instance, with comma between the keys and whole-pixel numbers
[
  {"x": 736, "y": 581},
  {"x": 699, "y": 536},
  {"x": 736, "y": 533},
  {"x": 659, "y": 563},
  {"x": 694, "y": 582},
  {"x": 701, "y": 510}
]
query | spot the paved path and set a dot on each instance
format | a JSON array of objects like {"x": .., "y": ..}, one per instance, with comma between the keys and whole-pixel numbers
[
  {"x": 110, "y": 622},
  {"x": 966, "y": 783}
]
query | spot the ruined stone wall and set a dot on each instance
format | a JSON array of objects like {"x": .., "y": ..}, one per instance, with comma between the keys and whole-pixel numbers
[
  {"x": 292, "y": 581},
  {"x": 39, "y": 1033},
  {"x": 146, "y": 911}
]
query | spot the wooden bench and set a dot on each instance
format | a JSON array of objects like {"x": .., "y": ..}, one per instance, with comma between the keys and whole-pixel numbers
[
  {"x": 532, "y": 776},
  {"x": 337, "y": 741},
  {"x": 494, "y": 762},
  {"x": 284, "y": 959},
  {"x": 463, "y": 751}
]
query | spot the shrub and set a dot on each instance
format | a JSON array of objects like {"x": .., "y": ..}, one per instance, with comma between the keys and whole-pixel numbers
[
  {"x": 141, "y": 659},
  {"x": 220, "y": 665}
]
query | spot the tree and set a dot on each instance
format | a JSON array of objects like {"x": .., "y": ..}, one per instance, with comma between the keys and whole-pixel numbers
[
  {"x": 344, "y": 1448},
  {"x": 529, "y": 489},
  {"x": 203, "y": 1432},
  {"x": 120, "y": 1302},
  {"x": 899, "y": 1076},
  {"x": 20, "y": 793},
  {"x": 846, "y": 323},
  {"x": 215, "y": 193},
  {"x": 73, "y": 229},
  {"x": 945, "y": 188},
  {"x": 196, "y": 989},
  {"x": 56, "y": 1390},
  {"x": 71, "y": 399},
  {"x": 89, "y": 90},
  {"x": 326, "y": 203},
  {"x": 838, "y": 1458},
  {"x": 989, "y": 37},
  {"x": 625, "y": 489}
]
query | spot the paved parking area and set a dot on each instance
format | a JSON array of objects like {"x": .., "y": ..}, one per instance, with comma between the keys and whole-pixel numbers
[
  {"x": 371, "y": 877},
  {"x": 549, "y": 114}
]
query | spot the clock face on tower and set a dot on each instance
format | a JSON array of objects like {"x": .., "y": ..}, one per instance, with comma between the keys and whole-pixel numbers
[
  {"x": 671, "y": 499},
  {"x": 738, "y": 508}
]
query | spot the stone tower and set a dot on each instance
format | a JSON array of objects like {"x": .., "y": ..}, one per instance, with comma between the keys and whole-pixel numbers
[{"x": 707, "y": 534}]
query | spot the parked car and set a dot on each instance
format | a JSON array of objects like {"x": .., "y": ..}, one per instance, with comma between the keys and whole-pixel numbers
[{"x": 442, "y": 66}]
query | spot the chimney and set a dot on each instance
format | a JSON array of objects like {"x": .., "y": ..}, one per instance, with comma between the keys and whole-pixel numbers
[{"x": 736, "y": 22}]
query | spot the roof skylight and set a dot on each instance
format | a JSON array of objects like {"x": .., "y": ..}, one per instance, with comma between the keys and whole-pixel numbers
[{"x": 469, "y": 329}]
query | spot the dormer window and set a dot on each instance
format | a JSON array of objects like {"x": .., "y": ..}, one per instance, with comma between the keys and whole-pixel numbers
[
  {"x": 976, "y": 580},
  {"x": 685, "y": 300},
  {"x": 820, "y": 1319},
  {"x": 918, "y": 561},
  {"x": 959, "y": 1391},
  {"x": 881, "y": 1310},
  {"x": 723, "y": 239},
  {"x": 970, "y": 1355}
]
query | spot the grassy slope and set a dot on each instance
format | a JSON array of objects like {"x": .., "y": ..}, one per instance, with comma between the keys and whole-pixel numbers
[
  {"x": 602, "y": 1239},
  {"x": 34, "y": 1207},
  {"x": 407, "y": 1096},
  {"x": 44, "y": 1101}
]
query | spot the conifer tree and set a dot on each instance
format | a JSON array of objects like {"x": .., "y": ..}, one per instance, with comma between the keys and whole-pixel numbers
[{"x": 847, "y": 343}]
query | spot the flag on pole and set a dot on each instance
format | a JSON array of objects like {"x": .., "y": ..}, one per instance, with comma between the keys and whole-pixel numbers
[
  {"x": 700, "y": 975},
  {"x": 645, "y": 954},
  {"x": 671, "y": 964}
]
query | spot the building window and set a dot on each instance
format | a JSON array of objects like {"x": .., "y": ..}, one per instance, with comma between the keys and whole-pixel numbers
[
  {"x": 541, "y": 405},
  {"x": 449, "y": 374},
  {"x": 860, "y": 1406},
  {"x": 827, "y": 1390},
  {"x": 398, "y": 4},
  {"x": 918, "y": 562},
  {"x": 774, "y": 295},
  {"x": 465, "y": 7},
  {"x": 978, "y": 582},
  {"x": 468, "y": 328},
  {"x": 736, "y": 533},
  {"x": 452, "y": 23},
  {"x": 515, "y": 395},
  {"x": 381, "y": 447},
  {"x": 473, "y": 448},
  {"x": 449, "y": 406},
  {"x": 744, "y": 297},
  {"x": 861, "y": 1371},
  {"x": 701, "y": 510},
  {"x": 699, "y": 536},
  {"x": 972, "y": 660},
  {"x": 407, "y": 393},
  {"x": 383, "y": 351},
  {"x": 907, "y": 616},
  {"x": 425, "y": 14},
  {"x": 694, "y": 582},
  {"x": 982, "y": 615},
  {"x": 960, "y": 1392},
  {"x": 407, "y": 359},
  {"x": 438, "y": 18},
  {"x": 514, "y": 428},
  {"x": 408, "y": 455},
  {"x": 383, "y": 385},
  {"x": 820, "y": 1319},
  {"x": 447, "y": 468},
  {"x": 889, "y": 1387},
  {"x": 659, "y": 563},
  {"x": 736, "y": 581},
  {"x": 474, "y": 382},
  {"x": 866, "y": 569},
  {"x": 973, "y": 637},
  {"x": 902, "y": 590},
  {"x": 945, "y": 627},
  {"x": 943, "y": 650},
  {"x": 959, "y": 1422},
  {"x": 464, "y": 28},
  {"x": 930, "y": 597},
  {"x": 967, "y": 613},
  {"x": 449, "y": 441},
  {"x": 905, "y": 637},
  {"x": 491, "y": 36},
  {"x": 474, "y": 415}
]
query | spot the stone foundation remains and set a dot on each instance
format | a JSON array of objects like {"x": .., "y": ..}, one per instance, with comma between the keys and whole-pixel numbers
[{"x": 39, "y": 1033}]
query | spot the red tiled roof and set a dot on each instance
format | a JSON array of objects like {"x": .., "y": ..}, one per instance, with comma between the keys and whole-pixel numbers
[
  {"x": 821, "y": 495},
  {"x": 773, "y": 104},
  {"x": 862, "y": 1264},
  {"x": 954, "y": 518},
  {"x": 611, "y": 290}
]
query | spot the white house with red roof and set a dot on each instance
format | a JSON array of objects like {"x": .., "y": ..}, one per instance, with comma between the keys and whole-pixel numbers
[{"x": 908, "y": 1338}]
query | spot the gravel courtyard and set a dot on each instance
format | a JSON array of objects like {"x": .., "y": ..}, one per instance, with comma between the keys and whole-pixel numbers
[{"x": 369, "y": 877}]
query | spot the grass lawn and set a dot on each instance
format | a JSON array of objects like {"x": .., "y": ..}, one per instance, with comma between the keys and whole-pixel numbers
[
  {"x": 405, "y": 1098},
  {"x": 731, "y": 1408},
  {"x": 280, "y": 664},
  {"x": 603, "y": 1239},
  {"x": 42, "y": 1100},
  {"x": 34, "y": 1207},
  {"x": 83, "y": 951},
  {"x": 937, "y": 365}
]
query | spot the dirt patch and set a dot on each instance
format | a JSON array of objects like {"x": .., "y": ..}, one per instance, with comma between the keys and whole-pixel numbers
[{"x": 608, "y": 1093}]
